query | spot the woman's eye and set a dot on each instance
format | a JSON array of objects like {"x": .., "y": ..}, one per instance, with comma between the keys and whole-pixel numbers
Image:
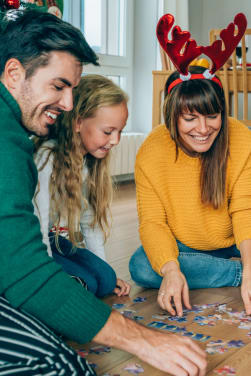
[
  {"x": 58, "y": 88},
  {"x": 108, "y": 133},
  {"x": 212, "y": 116},
  {"x": 189, "y": 119}
]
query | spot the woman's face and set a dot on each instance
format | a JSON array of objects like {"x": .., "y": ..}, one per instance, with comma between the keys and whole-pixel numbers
[
  {"x": 102, "y": 131},
  {"x": 197, "y": 132}
]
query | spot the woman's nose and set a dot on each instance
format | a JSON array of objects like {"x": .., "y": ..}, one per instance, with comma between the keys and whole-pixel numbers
[{"x": 202, "y": 126}]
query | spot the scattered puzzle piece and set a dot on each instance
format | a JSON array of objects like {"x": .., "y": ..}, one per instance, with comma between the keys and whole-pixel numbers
[
  {"x": 99, "y": 350},
  {"x": 128, "y": 313},
  {"x": 135, "y": 369},
  {"x": 226, "y": 371},
  {"x": 118, "y": 305},
  {"x": 177, "y": 329},
  {"x": 235, "y": 343},
  {"x": 139, "y": 299},
  {"x": 82, "y": 353}
]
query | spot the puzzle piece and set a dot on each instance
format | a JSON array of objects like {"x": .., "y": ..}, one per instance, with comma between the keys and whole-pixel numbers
[
  {"x": 235, "y": 343},
  {"x": 118, "y": 305},
  {"x": 177, "y": 318},
  {"x": 98, "y": 350},
  {"x": 218, "y": 346},
  {"x": 139, "y": 299},
  {"x": 176, "y": 329},
  {"x": 225, "y": 370},
  {"x": 135, "y": 369},
  {"x": 128, "y": 313},
  {"x": 82, "y": 353}
]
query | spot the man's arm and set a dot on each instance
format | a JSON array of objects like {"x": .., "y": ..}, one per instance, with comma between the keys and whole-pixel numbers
[{"x": 170, "y": 353}]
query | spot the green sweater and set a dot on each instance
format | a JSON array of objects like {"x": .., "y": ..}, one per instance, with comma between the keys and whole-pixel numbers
[{"x": 29, "y": 278}]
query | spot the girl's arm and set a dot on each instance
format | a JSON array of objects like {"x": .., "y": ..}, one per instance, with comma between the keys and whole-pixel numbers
[
  {"x": 93, "y": 237},
  {"x": 41, "y": 200}
]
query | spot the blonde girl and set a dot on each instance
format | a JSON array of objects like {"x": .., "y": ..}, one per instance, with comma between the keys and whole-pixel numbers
[{"x": 75, "y": 187}]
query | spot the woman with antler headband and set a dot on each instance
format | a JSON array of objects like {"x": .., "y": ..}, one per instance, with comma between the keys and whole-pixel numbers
[{"x": 193, "y": 179}]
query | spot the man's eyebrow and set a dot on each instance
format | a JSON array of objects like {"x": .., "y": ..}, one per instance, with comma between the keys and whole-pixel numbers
[{"x": 66, "y": 82}]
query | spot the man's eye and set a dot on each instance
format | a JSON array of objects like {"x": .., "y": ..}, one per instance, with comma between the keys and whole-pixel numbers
[{"x": 58, "y": 88}]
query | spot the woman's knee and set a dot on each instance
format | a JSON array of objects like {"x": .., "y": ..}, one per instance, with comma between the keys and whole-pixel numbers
[
  {"x": 141, "y": 270},
  {"x": 135, "y": 265}
]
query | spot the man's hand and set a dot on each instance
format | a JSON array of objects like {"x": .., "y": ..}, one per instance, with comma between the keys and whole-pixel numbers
[
  {"x": 174, "y": 289},
  {"x": 171, "y": 353}
]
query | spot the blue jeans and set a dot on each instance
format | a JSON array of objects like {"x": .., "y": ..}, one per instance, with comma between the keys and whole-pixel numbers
[
  {"x": 80, "y": 262},
  {"x": 202, "y": 269}
]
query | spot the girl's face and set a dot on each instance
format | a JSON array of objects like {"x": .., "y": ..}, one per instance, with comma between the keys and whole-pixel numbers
[
  {"x": 102, "y": 131},
  {"x": 197, "y": 132}
]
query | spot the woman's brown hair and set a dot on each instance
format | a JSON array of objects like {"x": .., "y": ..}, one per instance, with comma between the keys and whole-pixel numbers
[{"x": 206, "y": 97}]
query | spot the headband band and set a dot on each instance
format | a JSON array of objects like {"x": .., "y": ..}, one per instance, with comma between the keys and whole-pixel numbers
[{"x": 205, "y": 75}]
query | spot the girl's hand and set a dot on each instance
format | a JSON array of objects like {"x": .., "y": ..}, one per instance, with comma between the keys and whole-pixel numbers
[
  {"x": 122, "y": 288},
  {"x": 174, "y": 289}
]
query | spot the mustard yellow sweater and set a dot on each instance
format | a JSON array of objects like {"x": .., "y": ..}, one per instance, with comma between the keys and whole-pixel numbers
[{"x": 168, "y": 197}]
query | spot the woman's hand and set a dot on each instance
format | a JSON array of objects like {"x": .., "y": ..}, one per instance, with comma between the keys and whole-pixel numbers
[
  {"x": 245, "y": 250},
  {"x": 246, "y": 291},
  {"x": 174, "y": 289},
  {"x": 122, "y": 288}
]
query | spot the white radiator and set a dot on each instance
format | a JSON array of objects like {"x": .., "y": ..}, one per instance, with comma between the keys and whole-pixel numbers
[{"x": 124, "y": 154}]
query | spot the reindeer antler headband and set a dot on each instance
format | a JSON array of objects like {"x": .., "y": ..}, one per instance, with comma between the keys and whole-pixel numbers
[{"x": 181, "y": 40}]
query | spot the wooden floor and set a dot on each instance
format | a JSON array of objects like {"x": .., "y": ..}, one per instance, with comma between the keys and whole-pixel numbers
[
  {"x": 124, "y": 237},
  {"x": 233, "y": 354}
]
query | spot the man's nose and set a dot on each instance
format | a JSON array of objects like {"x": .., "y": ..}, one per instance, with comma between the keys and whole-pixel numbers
[{"x": 66, "y": 101}]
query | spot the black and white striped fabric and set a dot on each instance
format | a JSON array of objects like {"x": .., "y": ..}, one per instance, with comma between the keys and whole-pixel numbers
[{"x": 28, "y": 347}]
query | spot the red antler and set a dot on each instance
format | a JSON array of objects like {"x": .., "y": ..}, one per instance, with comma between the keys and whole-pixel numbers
[
  {"x": 215, "y": 52},
  {"x": 179, "y": 40}
]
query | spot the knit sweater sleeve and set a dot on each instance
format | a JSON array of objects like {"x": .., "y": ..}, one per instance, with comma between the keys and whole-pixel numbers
[
  {"x": 240, "y": 178},
  {"x": 155, "y": 234},
  {"x": 29, "y": 278}
]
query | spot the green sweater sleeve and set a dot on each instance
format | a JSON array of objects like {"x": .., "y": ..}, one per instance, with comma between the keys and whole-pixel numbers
[{"x": 29, "y": 278}]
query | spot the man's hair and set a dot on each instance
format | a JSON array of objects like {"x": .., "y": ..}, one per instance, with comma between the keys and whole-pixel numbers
[{"x": 30, "y": 35}]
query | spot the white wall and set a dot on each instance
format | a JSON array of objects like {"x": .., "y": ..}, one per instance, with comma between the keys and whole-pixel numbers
[
  {"x": 144, "y": 62},
  {"x": 146, "y": 49},
  {"x": 217, "y": 14},
  {"x": 214, "y": 14}
]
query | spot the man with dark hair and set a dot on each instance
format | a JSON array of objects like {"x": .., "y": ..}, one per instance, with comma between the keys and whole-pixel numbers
[{"x": 40, "y": 62}]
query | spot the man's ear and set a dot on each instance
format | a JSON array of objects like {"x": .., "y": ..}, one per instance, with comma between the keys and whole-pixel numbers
[
  {"x": 14, "y": 75},
  {"x": 77, "y": 125}
]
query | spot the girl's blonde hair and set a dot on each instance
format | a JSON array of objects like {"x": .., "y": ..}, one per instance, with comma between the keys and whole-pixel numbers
[
  {"x": 66, "y": 181},
  {"x": 206, "y": 97}
]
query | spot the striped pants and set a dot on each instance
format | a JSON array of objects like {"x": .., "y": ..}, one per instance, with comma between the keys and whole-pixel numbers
[{"x": 28, "y": 347}]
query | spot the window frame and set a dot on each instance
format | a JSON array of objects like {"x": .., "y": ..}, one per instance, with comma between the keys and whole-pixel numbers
[{"x": 110, "y": 65}]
